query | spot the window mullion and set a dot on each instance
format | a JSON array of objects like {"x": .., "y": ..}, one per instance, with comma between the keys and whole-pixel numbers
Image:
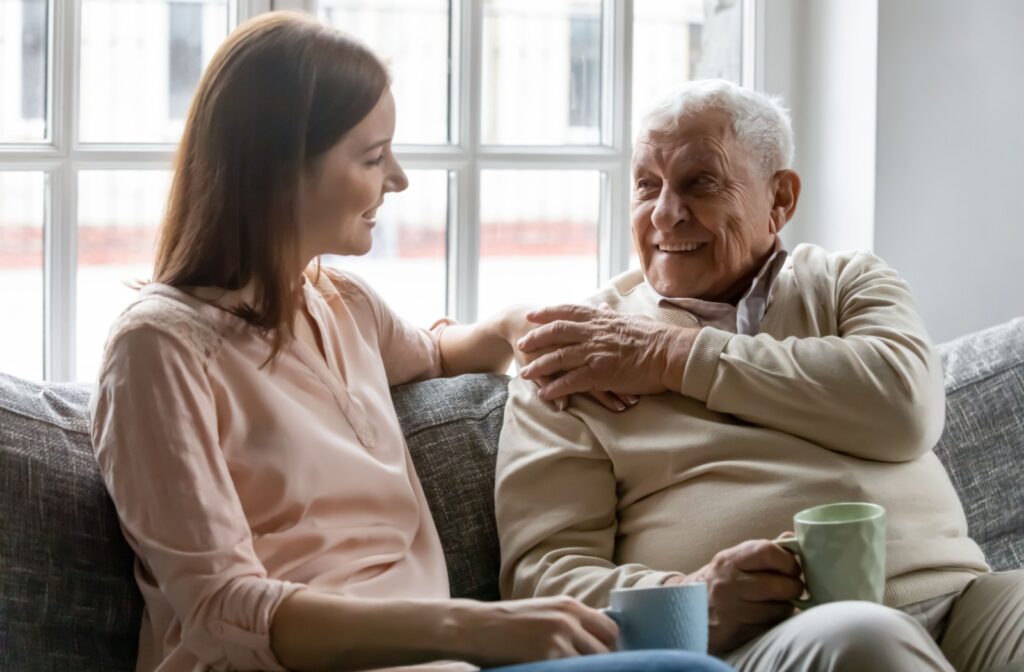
[
  {"x": 615, "y": 240},
  {"x": 61, "y": 217},
  {"x": 464, "y": 244}
]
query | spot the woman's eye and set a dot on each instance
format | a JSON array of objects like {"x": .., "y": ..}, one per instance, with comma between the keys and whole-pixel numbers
[{"x": 376, "y": 162}]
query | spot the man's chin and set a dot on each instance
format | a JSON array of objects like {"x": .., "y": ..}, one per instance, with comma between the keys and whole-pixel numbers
[{"x": 677, "y": 287}]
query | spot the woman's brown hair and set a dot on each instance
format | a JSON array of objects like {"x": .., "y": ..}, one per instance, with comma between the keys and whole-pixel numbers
[{"x": 280, "y": 91}]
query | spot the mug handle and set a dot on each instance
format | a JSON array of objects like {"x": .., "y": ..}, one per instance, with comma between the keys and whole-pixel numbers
[{"x": 792, "y": 544}]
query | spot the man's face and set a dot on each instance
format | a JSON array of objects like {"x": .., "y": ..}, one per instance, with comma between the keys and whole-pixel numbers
[{"x": 704, "y": 217}]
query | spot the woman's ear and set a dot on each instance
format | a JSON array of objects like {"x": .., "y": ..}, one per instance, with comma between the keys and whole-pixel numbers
[{"x": 785, "y": 192}]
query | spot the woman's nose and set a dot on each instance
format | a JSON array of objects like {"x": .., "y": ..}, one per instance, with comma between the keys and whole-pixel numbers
[{"x": 397, "y": 180}]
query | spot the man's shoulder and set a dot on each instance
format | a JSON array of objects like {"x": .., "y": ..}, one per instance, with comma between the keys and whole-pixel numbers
[
  {"x": 620, "y": 291},
  {"x": 812, "y": 262}
]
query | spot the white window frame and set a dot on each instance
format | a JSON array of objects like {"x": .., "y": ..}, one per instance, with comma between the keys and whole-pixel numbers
[{"x": 63, "y": 156}]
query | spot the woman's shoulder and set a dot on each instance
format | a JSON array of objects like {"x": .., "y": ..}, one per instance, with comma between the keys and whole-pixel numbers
[{"x": 161, "y": 313}]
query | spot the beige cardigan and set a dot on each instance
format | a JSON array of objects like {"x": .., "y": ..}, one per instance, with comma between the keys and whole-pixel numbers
[{"x": 839, "y": 398}]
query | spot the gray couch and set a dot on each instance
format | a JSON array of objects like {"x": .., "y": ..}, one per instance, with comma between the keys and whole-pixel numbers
[{"x": 68, "y": 600}]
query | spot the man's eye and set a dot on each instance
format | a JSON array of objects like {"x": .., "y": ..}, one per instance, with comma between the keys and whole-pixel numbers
[{"x": 643, "y": 184}]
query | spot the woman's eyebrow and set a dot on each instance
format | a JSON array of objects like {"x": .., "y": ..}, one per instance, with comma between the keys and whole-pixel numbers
[{"x": 377, "y": 144}]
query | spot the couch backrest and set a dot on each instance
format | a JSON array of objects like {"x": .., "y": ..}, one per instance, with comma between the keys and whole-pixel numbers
[
  {"x": 982, "y": 445},
  {"x": 68, "y": 599}
]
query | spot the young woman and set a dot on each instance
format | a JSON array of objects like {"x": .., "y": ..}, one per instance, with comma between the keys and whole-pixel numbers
[{"x": 243, "y": 421}]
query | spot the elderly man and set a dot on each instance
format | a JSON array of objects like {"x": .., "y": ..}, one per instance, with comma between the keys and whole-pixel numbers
[{"x": 767, "y": 383}]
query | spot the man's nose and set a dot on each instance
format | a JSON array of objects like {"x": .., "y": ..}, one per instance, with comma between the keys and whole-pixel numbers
[{"x": 670, "y": 211}]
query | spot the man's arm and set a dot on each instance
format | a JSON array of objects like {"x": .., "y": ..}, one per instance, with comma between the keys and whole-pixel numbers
[
  {"x": 874, "y": 390},
  {"x": 556, "y": 506}
]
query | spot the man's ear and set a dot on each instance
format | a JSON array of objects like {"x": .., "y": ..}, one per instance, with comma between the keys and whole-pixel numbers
[{"x": 785, "y": 192}]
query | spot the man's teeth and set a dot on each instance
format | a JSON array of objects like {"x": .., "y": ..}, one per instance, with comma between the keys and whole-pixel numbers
[{"x": 679, "y": 247}]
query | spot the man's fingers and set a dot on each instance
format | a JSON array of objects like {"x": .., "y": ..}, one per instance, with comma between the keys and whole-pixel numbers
[
  {"x": 764, "y": 613},
  {"x": 574, "y": 382},
  {"x": 769, "y": 587},
  {"x": 764, "y": 556},
  {"x": 609, "y": 400},
  {"x": 563, "y": 359},
  {"x": 566, "y": 311},
  {"x": 554, "y": 334}
]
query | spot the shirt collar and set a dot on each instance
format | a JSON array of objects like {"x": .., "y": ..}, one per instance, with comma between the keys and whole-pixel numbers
[{"x": 745, "y": 317}]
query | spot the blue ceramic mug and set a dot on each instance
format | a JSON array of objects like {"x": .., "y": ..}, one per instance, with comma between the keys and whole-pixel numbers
[{"x": 661, "y": 617}]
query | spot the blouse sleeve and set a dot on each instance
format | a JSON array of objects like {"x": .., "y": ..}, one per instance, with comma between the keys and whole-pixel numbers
[
  {"x": 154, "y": 430},
  {"x": 409, "y": 353}
]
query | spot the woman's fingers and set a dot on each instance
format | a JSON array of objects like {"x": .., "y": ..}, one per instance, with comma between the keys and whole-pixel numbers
[{"x": 600, "y": 626}]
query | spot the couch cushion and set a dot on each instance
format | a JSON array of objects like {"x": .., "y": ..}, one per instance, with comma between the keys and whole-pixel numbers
[
  {"x": 452, "y": 427},
  {"x": 983, "y": 442},
  {"x": 67, "y": 597}
]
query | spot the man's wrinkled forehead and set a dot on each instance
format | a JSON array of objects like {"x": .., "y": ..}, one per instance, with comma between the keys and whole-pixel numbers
[{"x": 707, "y": 136}]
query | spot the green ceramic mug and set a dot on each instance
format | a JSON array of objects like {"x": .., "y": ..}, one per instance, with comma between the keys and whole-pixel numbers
[{"x": 842, "y": 551}]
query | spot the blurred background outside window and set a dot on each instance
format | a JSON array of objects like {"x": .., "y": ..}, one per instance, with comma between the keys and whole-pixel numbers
[{"x": 514, "y": 177}]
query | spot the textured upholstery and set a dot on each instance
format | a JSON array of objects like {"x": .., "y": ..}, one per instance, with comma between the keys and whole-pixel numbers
[
  {"x": 983, "y": 442},
  {"x": 68, "y": 600}
]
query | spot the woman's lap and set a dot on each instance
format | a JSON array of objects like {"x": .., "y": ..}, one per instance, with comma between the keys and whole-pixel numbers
[{"x": 627, "y": 661}]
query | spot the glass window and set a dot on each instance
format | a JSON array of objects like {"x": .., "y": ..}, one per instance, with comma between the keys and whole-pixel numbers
[
  {"x": 23, "y": 66},
  {"x": 407, "y": 262},
  {"x": 118, "y": 214},
  {"x": 541, "y": 72},
  {"x": 675, "y": 41},
  {"x": 185, "y": 55},
  {"x": 412, "y": 36},
  {"x": 140, "y": 63},
  {"x": 22, "y": 208},
  {"x": 538, "y": 236}
]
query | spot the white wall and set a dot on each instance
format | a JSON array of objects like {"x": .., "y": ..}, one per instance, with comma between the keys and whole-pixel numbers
[
  {"x": 820, "y": 56},
  {"x": 950, "y": 157}
]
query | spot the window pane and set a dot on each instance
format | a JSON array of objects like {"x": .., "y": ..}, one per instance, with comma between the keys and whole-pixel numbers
[
  {"x": 118, "y": 213},
  {"x": 541, "y": 72},
  {"x": 412, "y": 36},
  {"x": 538, "y": 236},
  {"x": 23, "y": 57},
  {"x": 407, "y": 262},
  {"x": 21, "y": 273},
  {"x": 141, "y": 61},
  {"x": 675, "y": 41}
]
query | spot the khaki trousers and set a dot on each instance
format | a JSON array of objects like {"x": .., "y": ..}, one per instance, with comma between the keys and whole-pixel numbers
[{"x": 981, "y": 630}]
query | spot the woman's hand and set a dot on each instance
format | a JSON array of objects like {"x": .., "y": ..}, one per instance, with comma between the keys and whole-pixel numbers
[
  {"x": 514, "y": 324},
  {"x": 492, "y": 634}
]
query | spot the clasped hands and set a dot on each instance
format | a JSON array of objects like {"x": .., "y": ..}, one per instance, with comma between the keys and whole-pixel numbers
[{"x": 613, "y": 357}]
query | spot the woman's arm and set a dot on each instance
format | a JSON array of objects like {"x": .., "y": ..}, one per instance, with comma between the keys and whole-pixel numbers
[
  {"x": 317, "y": 631},
  {"x": 483, "y": 346}
]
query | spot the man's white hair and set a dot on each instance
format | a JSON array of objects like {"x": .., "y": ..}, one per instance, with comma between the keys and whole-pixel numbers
[{"x": 759, "y": 122}]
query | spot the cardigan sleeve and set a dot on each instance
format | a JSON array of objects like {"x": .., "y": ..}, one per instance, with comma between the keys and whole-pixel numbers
[
  {"x": 154, "y": 430},
  {"x": 872, "y": 390}
]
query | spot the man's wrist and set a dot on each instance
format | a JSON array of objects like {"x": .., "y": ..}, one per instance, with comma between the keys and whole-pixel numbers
[{"x": 679, "y": 342}]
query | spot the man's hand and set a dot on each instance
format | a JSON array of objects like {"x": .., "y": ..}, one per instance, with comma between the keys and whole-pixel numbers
[
  {"x": 749, "y": 588},
  {"x": 513, "y": 325},
  {"x": 599, "y": 350}
]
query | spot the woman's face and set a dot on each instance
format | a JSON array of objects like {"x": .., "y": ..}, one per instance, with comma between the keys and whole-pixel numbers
[{"x": 342, "y": 193}]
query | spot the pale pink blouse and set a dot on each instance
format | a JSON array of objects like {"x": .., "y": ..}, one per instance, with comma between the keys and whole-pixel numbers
[{"x": 238, "y": 485}]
